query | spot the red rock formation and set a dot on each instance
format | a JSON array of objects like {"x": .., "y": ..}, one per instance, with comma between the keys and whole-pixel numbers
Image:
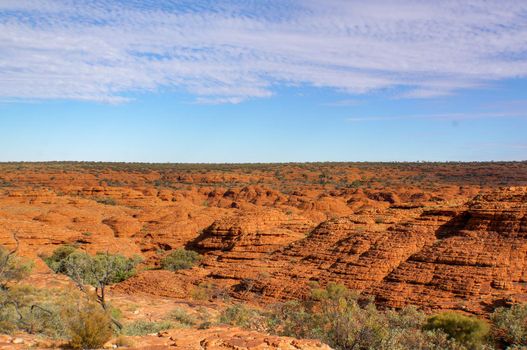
[
  {"x": 400, "y": 232},
  {"x": 218, "y": 338},
  {"x": 470, "y": 257},
  {"x": 477, "y": 261},
  {"x": 227, "y": 338}
]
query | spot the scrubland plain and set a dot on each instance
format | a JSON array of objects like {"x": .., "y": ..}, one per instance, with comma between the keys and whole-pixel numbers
[{"x": 254, "y": 256}]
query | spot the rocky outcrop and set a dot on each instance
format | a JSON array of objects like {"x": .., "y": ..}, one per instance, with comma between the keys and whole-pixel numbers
[
  {"x": 434, "y": 235},
  {"x": 478, "y": 260},
  {"x": 469, "y": 257},
  {"x": 217, "y": 338},
  {"x": 225, "y": 338},
  {"x": 239, "y": 247}
]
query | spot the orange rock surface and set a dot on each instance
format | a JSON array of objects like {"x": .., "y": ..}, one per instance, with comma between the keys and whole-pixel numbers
[
  {"x": 219, "y": 338},
  {"x": 440, "y": 236},
  {"x": 224, "y": 338}
]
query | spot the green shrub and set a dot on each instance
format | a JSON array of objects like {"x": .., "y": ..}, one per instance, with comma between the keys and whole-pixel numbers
[
  {"x": 123, "y": 342},
  {"x": 18, "y": 304},
  {"x": 55, "y": 261},
  {"x": 242, "y": 316},
  {"x": 89, "y": 327},
  {"x": 205, "y": 291},
  {"x": 142, "y": 327},
  {"x": 405, "y": 318},
  {"x": 379, "y": 219},
  {"x": 40, "y": 313},
  {"x": 237, "y": 315},
  {"x": 416, "y": 339},
  {"x": 180, "y": 259},
  {"x": 22, "y": 307},
  {"x": 12, "y": 267},
  {"x": 338, "y": 317},
  {"x": 53, "y": 313},
  {"x": 106, "y": 201},
  {"x": 510, "y": 324},
  {"x": 203, "y": 318},
  {"x": 10, "y": 300},
  {"x": 99, "y": 271},
  {"x": 466, "y": 330},
  {"x": 114, "y": 312},
  {"x": 180, "y": 316},
  {"x": 291, "y": 319}
]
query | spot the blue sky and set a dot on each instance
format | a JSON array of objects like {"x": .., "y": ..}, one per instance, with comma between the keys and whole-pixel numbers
[{"x": 263, "y": 81}]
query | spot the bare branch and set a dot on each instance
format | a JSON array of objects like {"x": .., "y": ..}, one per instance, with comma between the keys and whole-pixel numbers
[
  {"x": 15, "y": 237},
  {"x": 35, "y": 306},
  {"x": 5, "y": 261}
]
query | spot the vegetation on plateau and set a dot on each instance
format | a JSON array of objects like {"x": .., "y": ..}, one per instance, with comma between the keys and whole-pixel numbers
[
  {"x": 180, "y": 259},
  {"x": 345, "y": 320},
  {"x": 98, "y": 271},
  {"x": 337, "y": 316}
]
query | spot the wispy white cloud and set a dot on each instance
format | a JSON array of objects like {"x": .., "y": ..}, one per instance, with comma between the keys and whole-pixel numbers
[
  {"x": 441, "y": 116},
  {"x": 226, "y": 52},
  {"x": 344, "y": 103}
]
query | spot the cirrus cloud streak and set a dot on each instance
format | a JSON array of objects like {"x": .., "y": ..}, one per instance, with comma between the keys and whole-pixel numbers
[{"x": 230, "y": 51}]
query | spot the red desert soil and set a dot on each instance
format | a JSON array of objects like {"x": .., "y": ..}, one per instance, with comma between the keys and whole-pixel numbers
[{"x": 436, "y": 235}]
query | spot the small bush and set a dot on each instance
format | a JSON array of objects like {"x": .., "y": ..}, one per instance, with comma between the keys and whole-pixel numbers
[
  {"x": 55, "y": 261},
  {"x": 208, "y": 291},
  {"x": 123, "y": 342},
  {"x": 201, "y": 292},
  {"x": 142, "y": 327},
  {"x": 114, "y": 312},
  {"x": 106, "y": 201},
  {"x": 466, "y": 330},
  {"x": 12, "y": 267},
  {"x": 242, "y": 316},
  {"x": 34, "y": 311},
  {"x": 340, "y": 318},
  {"x": 510, "y": 324},
  {"x": 89, "y": 327},
  {"x": 203, "y": 318},
  {"x": 180, "y": 259},
  {"x": 101, "y": 268},
  {"x": 379, "y": 219},
  {"x": 405, "y": 318},
  {"x": 237, "y": 315},
  {"x": 180, "y": 316}
]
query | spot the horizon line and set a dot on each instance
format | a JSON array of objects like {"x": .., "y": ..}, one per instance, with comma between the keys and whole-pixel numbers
[{"x": 263, "y": 163}]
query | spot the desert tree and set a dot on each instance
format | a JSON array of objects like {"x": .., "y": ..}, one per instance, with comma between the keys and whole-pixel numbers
[
  {"x": 99, "y": 271},
  {"x": 12, "y": 268},
  {"x": 17, "y": 305}
]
